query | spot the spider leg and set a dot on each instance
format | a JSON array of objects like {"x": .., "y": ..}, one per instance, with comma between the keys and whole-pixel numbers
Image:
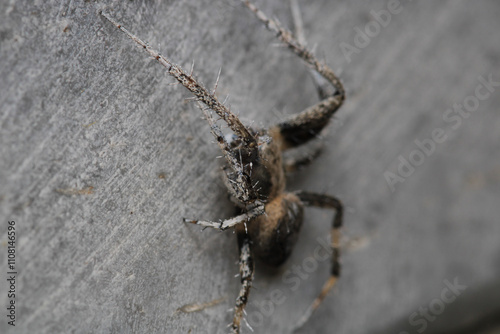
[
  {"x": 246, "y": 275},
  {"x": 300, "y": 159},
  {"x": 304, "y": 126},
  {"x": 322, "y": 84},
  {"x": 196, "y": 88},
  {"x": 225, "y": 224},
  {"x": 326, "y": 202},
  {"x": 242, "y": 186},
  {"x": 244, "y": 191}
]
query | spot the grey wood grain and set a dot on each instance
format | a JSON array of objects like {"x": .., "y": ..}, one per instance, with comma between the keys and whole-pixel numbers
[{"x": 101, "y": 158}]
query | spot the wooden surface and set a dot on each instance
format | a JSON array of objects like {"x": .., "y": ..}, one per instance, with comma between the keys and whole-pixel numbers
[{"x": 101, "y": 158}]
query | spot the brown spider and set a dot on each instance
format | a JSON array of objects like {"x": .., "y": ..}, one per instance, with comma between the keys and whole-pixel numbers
[{"x": 254, "y": 174}]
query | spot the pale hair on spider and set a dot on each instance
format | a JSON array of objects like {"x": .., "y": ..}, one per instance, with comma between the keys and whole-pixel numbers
[{"x": 255, "y": 171}]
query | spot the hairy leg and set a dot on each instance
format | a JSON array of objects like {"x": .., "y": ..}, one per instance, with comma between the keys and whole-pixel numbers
[
  {"x": 304, "y": 126},
  {"x": 246, "y": 276},
  {"x": 244, "y": 192},
  {"x": 225, "y": 224},
  {"x": 326, "y": 202}
]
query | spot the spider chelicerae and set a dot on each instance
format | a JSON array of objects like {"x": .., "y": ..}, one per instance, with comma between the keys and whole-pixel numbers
[{"x": 255, "y": 171}]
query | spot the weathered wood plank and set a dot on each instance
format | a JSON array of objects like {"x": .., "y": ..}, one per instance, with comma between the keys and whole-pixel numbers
[{"x": 101, "y": 158}]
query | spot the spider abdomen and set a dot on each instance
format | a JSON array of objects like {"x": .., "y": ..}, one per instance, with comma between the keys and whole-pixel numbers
[{"x": 274, "y": 233}]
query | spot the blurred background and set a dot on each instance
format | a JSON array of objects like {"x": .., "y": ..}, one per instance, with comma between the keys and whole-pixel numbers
[{"x": 101, "y": 158}]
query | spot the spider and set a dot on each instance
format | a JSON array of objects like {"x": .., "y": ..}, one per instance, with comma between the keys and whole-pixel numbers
[{"x": 254, "y": 173}]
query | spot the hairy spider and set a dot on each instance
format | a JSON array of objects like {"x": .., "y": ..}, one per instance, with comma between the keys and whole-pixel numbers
[{"x": 254, "y": 173}]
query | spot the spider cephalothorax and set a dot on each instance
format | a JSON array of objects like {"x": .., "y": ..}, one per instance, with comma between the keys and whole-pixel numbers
[{"x": 254, "y": 172}]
